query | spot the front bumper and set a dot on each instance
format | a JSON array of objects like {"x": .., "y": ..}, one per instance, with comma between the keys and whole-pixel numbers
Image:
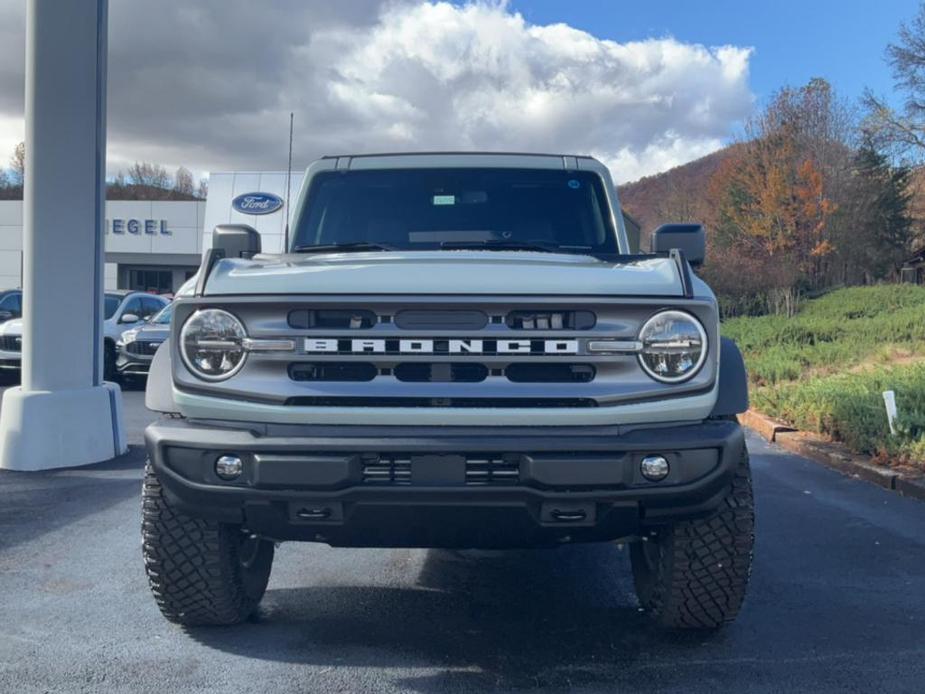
[
  {"x": 10, "y": 360},
  {"x": 129, "y": 364},
  {"x": 426, "y": 486}
]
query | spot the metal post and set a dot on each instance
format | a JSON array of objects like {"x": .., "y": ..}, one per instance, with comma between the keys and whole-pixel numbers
[{"x": 63, "y": 414}]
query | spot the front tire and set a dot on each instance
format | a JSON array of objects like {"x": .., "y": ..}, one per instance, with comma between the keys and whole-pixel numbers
[
  {"x": 694, "y": 574},
  {"x": 201, "y": 572}
]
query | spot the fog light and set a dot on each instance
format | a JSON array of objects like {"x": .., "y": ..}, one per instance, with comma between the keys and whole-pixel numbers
[
  {"x": 229, "y": 467},
  {"x": 654, "y": 468}
]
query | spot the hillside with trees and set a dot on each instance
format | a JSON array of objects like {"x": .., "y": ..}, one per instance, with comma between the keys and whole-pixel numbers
[
  {"x": 142, "y": 181},
  {"x": 818, "y": 193}
]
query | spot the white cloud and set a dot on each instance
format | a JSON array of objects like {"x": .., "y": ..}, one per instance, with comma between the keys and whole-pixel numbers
[{"x": 211, "y": 88}]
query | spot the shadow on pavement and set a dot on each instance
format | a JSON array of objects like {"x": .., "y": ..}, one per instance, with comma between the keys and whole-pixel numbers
[
  {"x": 35, "y": 503},
  {"x": 518, "y": 619}
]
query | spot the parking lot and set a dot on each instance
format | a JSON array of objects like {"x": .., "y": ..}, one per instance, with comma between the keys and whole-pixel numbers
[{"x": 836, "y": 603}]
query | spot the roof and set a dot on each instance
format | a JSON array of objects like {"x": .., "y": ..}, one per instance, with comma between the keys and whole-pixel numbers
[
  {"x": 455, "y": 153},
  {"x": 916, "y": 256}
]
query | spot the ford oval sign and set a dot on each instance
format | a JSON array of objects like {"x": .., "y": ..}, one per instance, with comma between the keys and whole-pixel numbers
[{"x": 257, "y": 203}]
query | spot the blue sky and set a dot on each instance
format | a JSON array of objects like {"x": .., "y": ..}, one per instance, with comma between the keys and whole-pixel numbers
[{"x": 794, "y": 40}]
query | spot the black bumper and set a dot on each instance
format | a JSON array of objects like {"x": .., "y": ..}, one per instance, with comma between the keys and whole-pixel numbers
[{"x": 444, "y": 487}]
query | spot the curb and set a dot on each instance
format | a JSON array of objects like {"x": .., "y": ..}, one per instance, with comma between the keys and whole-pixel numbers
[
  {"x": 831, "y": 454},
  {"x": 764, "y": 425},
  {"x": 913, "y": 487}
]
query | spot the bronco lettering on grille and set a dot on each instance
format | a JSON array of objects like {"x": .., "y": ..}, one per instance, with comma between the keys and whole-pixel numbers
[{"x": 315, "y": 345}]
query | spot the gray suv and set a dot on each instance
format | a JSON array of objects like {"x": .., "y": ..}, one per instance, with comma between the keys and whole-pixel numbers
[
  {"x": 456, "y": 350},
  {"x": 136, "y": 347}
]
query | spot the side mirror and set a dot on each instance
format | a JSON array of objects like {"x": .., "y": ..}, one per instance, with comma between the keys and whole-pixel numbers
[
  {"x": 236, "y": 240},
  {"x": 690, "y": 239},
  {"x": 129, "y": 318}
]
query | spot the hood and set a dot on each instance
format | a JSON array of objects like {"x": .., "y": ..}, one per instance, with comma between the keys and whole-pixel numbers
[
  {"x": 152, "y": 332},
  {"x": 445, "y": 272}
]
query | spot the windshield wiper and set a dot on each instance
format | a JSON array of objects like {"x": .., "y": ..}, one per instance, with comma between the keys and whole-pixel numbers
[
  {"x": 352, "y": 247},
  {"x": 499, "y": 245}
]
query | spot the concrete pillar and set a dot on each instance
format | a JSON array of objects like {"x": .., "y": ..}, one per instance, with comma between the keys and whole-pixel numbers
[{"x": 63, "y": 414}]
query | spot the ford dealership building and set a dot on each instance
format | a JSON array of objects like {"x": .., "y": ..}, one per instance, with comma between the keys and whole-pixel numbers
[{"x": 157, "y": 245}]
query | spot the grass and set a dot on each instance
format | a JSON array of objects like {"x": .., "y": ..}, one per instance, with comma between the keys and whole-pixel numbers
[{"x": 825, "y": 369}]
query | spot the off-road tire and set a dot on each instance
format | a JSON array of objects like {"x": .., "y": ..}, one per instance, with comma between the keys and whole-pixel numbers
[
  {"x": 693, "y": 574},
  {"x": 201, "y": 572}
]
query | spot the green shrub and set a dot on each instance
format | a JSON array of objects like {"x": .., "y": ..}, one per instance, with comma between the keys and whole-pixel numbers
[{"x": 825, "y": 369}]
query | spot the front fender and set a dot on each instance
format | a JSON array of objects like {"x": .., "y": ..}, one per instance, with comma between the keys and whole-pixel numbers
[
  {"x": 159, "y": 390},
  {"x": 733, "y": 381}
]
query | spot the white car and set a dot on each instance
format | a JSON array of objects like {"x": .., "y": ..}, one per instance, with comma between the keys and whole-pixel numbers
[{"x": 122, "y": 311}]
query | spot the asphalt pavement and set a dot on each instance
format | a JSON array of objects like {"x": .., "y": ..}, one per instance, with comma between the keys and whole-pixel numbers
[{"x": 836, "y": 604}]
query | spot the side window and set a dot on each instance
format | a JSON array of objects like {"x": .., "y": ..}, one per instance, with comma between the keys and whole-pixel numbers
[
  {"x": 133, "y": 306},
  {"x": 13, "y": 304},
  {"x": 150, "y": 306}
]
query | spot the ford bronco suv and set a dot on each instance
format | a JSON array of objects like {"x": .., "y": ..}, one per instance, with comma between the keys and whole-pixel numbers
[{"x": 454, "y": 350}]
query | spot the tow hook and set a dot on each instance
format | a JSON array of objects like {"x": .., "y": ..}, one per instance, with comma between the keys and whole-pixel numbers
[{"x": 313, "y": 513}]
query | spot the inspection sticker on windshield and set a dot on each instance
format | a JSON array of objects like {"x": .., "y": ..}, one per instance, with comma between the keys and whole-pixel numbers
[
  {"x": 444, "y": 199},
  {"x": 574, "y": 183}
]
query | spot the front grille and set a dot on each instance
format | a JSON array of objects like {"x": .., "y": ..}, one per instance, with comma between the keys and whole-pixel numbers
[
  {"x": 142, "y": 347},
  {"x": 11, "y": 343},
  {"x": 492, "y": 353},
  {"x": 475, "y": 470}
]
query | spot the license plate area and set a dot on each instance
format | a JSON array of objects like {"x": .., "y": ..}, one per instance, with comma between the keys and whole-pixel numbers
[{"x": 438, "y": 470}]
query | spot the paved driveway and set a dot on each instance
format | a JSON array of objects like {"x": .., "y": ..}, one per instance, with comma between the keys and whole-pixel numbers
[{"x": 837, "y": 603}]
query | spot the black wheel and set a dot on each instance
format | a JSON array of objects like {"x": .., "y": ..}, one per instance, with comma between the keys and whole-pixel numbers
[
  {"x": 201, "y": 572},
  {"x": 109, "y": 362},
  {"x": 693, "y": 574}
]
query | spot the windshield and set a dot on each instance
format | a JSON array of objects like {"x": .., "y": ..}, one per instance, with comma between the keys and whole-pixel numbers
[
  {"x": 420, "y": 209},
  {"x": 163, "y": 316},
  {"x": 110, "y": 305}
]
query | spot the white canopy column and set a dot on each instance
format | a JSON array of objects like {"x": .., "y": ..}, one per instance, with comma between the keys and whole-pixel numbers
[{"x": 63, "y": 414}]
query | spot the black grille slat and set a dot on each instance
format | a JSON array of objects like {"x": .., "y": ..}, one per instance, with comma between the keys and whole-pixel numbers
[
  {"x": 332, "y": 319},
  {"x": 490, "y": 471},
  {"x": 550, "y": 373},
  {"x": 425, "y": 319},
  {"x": 142, "y": 347},
  {"x": 11, "y": 343},
  {"x": 333, "y": 371},
  {"x": 395, "y": 469},
  {"x": 550, "y": 320},
  {"x": 441, "y": 372},
  {"x": 387, "y": 470}
]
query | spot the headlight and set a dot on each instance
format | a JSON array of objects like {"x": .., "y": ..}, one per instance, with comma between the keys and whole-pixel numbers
[
  {"x": 674, "y": 346},
  {"x": 212, "y": 344},
  {"x": 127, "y": 337}
]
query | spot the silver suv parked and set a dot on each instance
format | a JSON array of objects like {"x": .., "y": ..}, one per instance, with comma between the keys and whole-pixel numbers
[{"x": 122, "y": 311}]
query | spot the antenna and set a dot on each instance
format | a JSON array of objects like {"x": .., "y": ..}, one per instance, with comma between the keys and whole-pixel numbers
[{"x": 288, "y": 180}]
